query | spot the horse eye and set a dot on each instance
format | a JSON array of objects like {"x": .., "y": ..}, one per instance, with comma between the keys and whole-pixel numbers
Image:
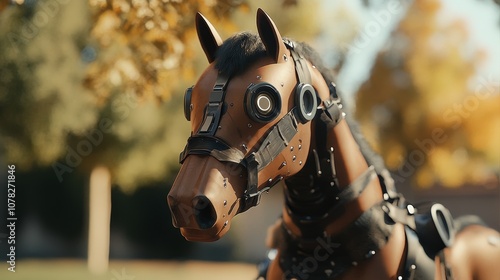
[{"x": 264, "y": 103}]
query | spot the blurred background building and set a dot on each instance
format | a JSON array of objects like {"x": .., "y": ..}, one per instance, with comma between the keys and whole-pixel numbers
[{"x": 99, "y": 84}]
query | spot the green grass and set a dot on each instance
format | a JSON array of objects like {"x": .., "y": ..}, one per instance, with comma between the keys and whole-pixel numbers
[{"x": 68, "y": 269}]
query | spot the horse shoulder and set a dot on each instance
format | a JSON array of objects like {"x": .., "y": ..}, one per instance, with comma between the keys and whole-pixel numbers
[{"x": 475, "y": 254}]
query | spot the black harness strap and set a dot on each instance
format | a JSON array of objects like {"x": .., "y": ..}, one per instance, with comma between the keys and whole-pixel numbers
[
  {"x": 332, "y": 114},
  {"x": 207, "y": 145},
  {"x": 303, "y": 75},
  {"x": 214, "y": 108},
  {"x": 276, "y": 141},
  {"x": 333, "y": 255},
  {"x": 313, "y": 225},
  {"x": 418, "y": 266}
]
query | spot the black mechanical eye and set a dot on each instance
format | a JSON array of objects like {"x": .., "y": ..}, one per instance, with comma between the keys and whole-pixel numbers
[
  {"x": 262, "y": 102},
  {"x": 187, "y": 103}
]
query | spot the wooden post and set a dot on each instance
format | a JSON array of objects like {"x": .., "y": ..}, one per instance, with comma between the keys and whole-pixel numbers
[{"x": 99, "y": 220}]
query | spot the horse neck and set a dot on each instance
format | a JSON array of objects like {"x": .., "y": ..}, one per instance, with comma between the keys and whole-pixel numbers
[{"x": 313, "y": 191}]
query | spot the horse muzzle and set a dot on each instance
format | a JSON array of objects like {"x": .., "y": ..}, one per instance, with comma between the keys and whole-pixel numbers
[{"x": 205, "y": 197}]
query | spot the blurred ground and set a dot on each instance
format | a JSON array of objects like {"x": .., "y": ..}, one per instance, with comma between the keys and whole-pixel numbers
[{"x": 129, "y": 270}]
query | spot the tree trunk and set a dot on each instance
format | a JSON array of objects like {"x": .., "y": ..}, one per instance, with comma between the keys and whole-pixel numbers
[{"x": 99, "y": 220}]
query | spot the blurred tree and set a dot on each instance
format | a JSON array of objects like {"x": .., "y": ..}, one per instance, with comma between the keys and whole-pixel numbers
[
  {"x": 295, "y": 19},
  {"x": 430, "y": 115},
  {"x": 90, "y": 86},
  {"x": 42, "y": 99},
  {"x": 115, "y": 124},
  {"x": 144, "y": 45}
]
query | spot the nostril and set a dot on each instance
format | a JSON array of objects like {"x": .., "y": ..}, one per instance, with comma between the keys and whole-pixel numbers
[
  {"x": 171, "y": 201},
  {"x": 204, "y": 212}
]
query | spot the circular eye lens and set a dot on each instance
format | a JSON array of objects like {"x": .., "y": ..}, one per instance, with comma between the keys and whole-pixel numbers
[
  {"x": 309, "y": 102},
  {"x": 306, "y": 101},
  {"x": 264, "y": 103}
]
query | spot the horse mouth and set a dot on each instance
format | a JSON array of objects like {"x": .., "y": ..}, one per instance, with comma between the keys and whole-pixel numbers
[{"x": 203, "y": 235}]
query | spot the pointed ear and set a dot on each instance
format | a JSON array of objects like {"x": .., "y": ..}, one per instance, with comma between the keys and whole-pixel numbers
[
  {"x": 270, "y": 36},
  {"x": 209, "y": 38}
]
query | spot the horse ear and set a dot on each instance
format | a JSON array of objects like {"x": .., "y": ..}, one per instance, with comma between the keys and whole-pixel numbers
[
  {"x": 210, "y": 40},
  {"x": 270, "y": 36}
]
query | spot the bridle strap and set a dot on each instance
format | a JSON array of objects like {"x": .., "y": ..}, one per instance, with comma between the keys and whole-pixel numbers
[
  {"x": 275, "y": 142},
  {"x": 303, "y": 75},
  {"x": 209, "y": 145},
  {"x": 214, "y": 108}
]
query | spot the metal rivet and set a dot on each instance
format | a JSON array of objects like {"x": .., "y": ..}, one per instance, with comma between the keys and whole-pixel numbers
[
  {"x": 285, "y": 57},
  {"x": 282, "y": 84},
  {"x": 249, "y": 125},
  {"x": 328, "y": 272},
  {"x": 294, "y": 158},
  {"x": 231, "y": 104},
  {"x": 370, "y": 254},
  {"x": 259, "y": 77},
  {"x": 300, "y": 147},
  {"x": 410, "y": 209},
  {"x": 332, "y": 263},
  {"x": 291, "y": 148},
  {"x": 283, "y": 164},
  {"x": 220, "y": 127},
  {"x": 191, "y": 107},
  {"x": 300, "y": 162},
  {"x": 225, "y": 203},
  {"x": 332, "y": 184},
  {"x": 314, "y": 67},
  {"x": 354, "y": 263},
  {"x": 386, "y": 196}
]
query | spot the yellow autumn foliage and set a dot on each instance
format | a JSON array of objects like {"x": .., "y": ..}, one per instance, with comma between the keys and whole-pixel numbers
[{"x": 440, "y": 117}]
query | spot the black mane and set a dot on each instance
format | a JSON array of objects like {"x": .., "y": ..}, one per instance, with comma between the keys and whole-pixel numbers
[{"x": 240, "y": 51}]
